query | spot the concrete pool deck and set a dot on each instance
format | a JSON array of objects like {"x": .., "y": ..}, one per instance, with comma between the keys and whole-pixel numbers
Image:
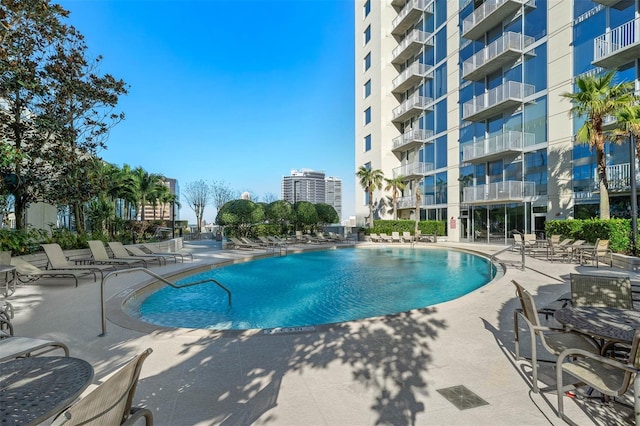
[{"x": 387, "y": 370}]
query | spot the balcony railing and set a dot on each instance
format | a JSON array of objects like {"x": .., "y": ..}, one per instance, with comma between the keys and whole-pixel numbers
[
  {"x": 488, "y": 15},
  {"x": 619, "y": 46},
  {"x": 417, "y": 168},
  {"x": 411, "y": 138},
  {"x": 504, "y": 50},
  {"x": 498, "y": 145},
  {"x": 509, "y": 191},
  {"x": 410, "y": 202},
  {"x": 616, "y": 4},
  {"x": 618, "y": 177},
  {"x": 409, "y": 14},
  {"x": 414, "y": 105},
  {"x": 410, "y": 45},
  {"x": 412, "y": 75},
  {"x": 496, "y": 100}
]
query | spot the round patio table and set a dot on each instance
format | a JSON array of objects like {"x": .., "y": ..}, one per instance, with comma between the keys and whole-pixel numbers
[
  {"x": 609, "y": 324},
  {"x": 35, "y": 389}
]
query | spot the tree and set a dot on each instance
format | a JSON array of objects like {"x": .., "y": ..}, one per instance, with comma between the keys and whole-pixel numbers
[
  {"x": 370, "y": 180},
  {"x": 306, "y": 214},
  {"x": 240, "y": 215},
  {"x": 280, "y": 212},
  {"x": 395, "y": 185},
  {"x": 146, "y": 186},
  {"x": 597, "y": 97},
  {"x": 197, "y": 195},
  {"x": 270, "y": 197},
  {"x": 222, "y": 194},
  {"x": 628, "y": 123},
  {"x": 326, "y": 214}
]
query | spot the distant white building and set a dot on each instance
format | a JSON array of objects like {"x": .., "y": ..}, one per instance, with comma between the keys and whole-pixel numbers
[{"x": 312, "y": 186}]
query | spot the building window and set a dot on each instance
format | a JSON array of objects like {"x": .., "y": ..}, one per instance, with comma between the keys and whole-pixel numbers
[
  {"x": 367, "y": 115},
  {"x": 367, "y": 143},
  {"x": 367, "y": 34},
  {"x": 367, "y": 89},
  {"x": 367, "y": 61},
  {"x": 367, "y": 8}
]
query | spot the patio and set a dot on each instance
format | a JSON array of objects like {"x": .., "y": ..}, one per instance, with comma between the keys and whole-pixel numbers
[{"x": 388, "y": 370}]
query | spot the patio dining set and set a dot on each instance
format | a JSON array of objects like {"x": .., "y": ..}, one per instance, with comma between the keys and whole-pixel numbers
[
  {"x": 556, "y": 248},
  {"x": 593, "y": 336}
]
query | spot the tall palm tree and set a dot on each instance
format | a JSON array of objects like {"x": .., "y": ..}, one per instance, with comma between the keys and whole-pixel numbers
[
  {"x": 628, "y": 123},
  {"x": 145, "y": 185},
  {"x": 395, "y": 185},
  {"x": 597, "y": 97},
  {"x": 370, "y": 180}
]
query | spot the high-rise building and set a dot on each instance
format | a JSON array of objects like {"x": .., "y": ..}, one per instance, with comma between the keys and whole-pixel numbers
[
  {"x": 312, "y": 186},
  {"x": 463, "y": 100}
]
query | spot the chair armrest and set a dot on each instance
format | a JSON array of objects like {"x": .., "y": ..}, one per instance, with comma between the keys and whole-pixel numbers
[{"x": 572, "y": 352}]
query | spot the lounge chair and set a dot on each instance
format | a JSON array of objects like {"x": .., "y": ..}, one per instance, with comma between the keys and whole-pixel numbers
[
  {"x": 100, "y": 256},
  {"x": 252, "y": 243},
  {"x": 337, "y": 237},
  {"x": 606, "y": 375},
  {"x": 395, "y": 237},
  {"x": 241, "y": 244},
  {"x": 58, "y": 261},
  {"x": 385, "y": 238},
  {"x": 156, "y": 250},
  {"x": 111, "y": 402},
  {"x": 120, "y": 252},
  {"x": 29, "y": 273},
  {"x": 406, "y": 237},
  {"x": 138, "y": 252},
  {"x": 553, "y": 340},
  {"x": 279, "y": 241},
  {"x": 15, "y": 346},
  {"x": 374, "y": 237}
]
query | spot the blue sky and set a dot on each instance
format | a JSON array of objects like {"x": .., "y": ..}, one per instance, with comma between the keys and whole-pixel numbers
[{"x": 236, "y": 91}]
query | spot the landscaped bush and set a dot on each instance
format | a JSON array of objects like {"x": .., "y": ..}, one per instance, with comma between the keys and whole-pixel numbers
[
  {"x": 617, "y": 231},
  {"x": 23, "y": 241},
  {"x": 426, "y": 227}
]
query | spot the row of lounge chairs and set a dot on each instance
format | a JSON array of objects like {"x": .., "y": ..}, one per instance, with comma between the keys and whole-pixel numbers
[
  {"x": 406, "y": 237},
  {"x": 100, "y": 262},
  {"x": 274, "y": 241},
  {"x": 566, "y": 249}
]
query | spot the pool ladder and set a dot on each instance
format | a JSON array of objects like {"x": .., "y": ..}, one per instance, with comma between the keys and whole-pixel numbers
[
  {"x": 494, "y": 257},
  {"x": 156, "y": 276}
]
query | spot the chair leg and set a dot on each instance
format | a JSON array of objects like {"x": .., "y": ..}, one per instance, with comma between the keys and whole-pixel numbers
[
  {"x": 636, "y": 399},
  {"x": 516, "y": 332},
  {"x": 534, "y": 362},
  {"x": 560, "y": 390}
]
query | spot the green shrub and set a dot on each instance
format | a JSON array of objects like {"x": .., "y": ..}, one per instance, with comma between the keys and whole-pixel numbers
[
  {"x": 426, "y": 227},
  {"x": 617, "y": 231},
  {"x": 22, "y": 241}
]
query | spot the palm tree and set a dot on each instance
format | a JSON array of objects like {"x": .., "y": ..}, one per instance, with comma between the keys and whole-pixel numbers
[
  {"x": 395, "y": 185},
  {"x": 596, "y": 98},
  {"x": 628, "y": 123},
  {"x": 145, "y": 186},
  {"x": 370, "y": 180}
]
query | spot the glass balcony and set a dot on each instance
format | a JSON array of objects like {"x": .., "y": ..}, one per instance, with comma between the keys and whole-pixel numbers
[
  {"x": 412, "y": 106},
  {"x": 490, "y": 14},
  {"x": 410, "y": 13},
  {"x": 616, "y": 4},
  {"x": 410, "y": 45},
  {"x": 507, "y": 49},
  {"x": 499, "y": 192},
  {"x": 497, "y": 100},
  {"x": 414, "y": 170},
  {"x": 411, "y": 76},
  {"x": 411, "y": 139},
  {"x": 497, "y": 146},
  {"x": 410, "y": 202},
  {"x": 617, "y": 47}
]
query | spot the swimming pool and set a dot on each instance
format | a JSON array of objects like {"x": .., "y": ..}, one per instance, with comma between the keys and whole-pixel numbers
[{"x": 319, "y": 287}]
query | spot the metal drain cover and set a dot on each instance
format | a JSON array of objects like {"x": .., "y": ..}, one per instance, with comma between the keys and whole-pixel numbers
[{"x": 462, "y": 397}]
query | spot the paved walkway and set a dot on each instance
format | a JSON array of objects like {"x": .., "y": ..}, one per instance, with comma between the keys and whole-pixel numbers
[{"x": 388, "y": 370}]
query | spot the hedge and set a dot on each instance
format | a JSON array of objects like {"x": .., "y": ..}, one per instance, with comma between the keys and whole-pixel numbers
[
  {"x": 426, "y": 227},
  {"x": 617, "y": 231}
]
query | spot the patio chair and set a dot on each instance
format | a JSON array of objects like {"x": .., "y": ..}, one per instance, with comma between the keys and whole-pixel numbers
[
  {"x": 120, "y": 252},
  {"x": 156, "y": 250},
  {"x": 608, "y": 376},
  {"x": 554, "y": 341},
  {"x": 406, "y": 237},
  {"x": 12, "y": 346},
  {"x": 57, "y": 260},
  {"x": 111, "y": 402},
  {"x": 337, "y": 237},
  {"x": 385, "y": 238},
  {"x": 241, "y": 244},
  {"x": 395, "y": 237},
  {"x": 601, "y": 291},
  {"x": 374, "y": 237},
  {"x": 100, "y": 256},
  {"x": 138, "y": 252},
  {"x": 30, "y": 273},
  {"x": 518, "y": 242},
  {"x": 251, "y": 243},
  {"x": 600, "y": 251}
]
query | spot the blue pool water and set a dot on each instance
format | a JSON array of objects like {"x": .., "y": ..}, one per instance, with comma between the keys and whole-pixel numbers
[{"x": 318, "y": 288}]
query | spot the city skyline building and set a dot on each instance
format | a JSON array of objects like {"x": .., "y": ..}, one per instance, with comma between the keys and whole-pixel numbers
[
  {"x": 464, "y": 101},
  {"x": 312, "y": 186}
]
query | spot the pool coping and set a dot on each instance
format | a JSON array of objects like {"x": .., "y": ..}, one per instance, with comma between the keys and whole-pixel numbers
[{"x": 119, "y": 308}]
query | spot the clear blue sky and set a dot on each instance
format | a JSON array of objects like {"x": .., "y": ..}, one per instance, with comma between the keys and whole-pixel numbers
[{"x": 239, "y": 91}]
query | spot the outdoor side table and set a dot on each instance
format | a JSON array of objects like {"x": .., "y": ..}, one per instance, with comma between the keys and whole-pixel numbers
[
  {"x": 35, "y": 389},
  {"x": 10, "y": 277}
]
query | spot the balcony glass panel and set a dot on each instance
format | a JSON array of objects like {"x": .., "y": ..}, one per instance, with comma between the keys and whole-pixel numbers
[
  {"x": 417, "y": 168},
  {"x": 412, "y": 75},
  {"x": 410, "y": 45},
  {"x": 414, "y": 105},
  {"x": 410, "y": 202},
  {"x": 498, "y": 145},
  {"x": 488, "y": 15},
  {"x": 509, "y": 191},
  {"x": 504, "y": 50},
  {"x": 410, "y": 13},
  {"x": 411, "y": 138}
]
